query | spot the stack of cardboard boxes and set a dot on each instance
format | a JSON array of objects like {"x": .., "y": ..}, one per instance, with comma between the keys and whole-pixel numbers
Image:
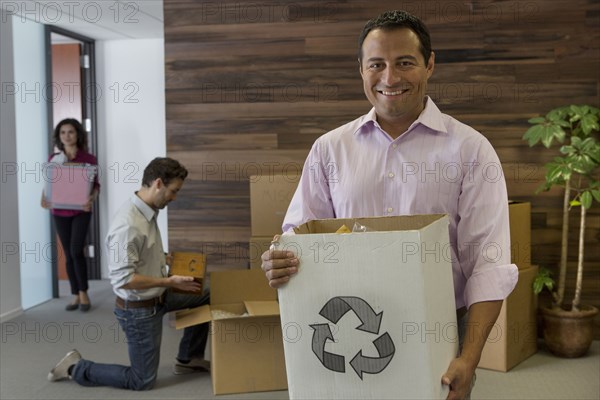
[
  {"x": 270, "y": 196},
  {"x": 246, "y": 336},
  {"x": 247, "y": 351},
  {"x": 514, "y": 336}
]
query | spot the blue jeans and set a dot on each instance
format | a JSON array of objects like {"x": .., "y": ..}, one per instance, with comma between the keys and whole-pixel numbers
[{"x": 143, "y": 331}]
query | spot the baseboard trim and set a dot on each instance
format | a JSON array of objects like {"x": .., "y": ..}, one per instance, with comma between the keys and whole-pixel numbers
[{"x": 7, "y": 316}]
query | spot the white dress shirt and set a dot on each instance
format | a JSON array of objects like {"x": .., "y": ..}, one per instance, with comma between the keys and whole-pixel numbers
[{"x": 134, "y": 246}]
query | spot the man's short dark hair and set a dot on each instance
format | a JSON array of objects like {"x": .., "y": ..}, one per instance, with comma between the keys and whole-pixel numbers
[
  {"x": 398, "y": 19},
  {"x": 164, "y": 168}
]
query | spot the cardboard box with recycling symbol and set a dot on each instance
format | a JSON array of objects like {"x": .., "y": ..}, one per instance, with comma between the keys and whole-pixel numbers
[{"x": 369, "y": 315}]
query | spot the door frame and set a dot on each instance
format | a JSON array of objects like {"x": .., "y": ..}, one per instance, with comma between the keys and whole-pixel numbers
[{"x": 88, "y": 112}]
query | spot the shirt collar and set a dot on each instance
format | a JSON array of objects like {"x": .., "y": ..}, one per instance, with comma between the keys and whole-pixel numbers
[
  {"x": 430, "y": 117},
  {"x": 367, "y": 121},
  {"x": 147, "y": 211}
]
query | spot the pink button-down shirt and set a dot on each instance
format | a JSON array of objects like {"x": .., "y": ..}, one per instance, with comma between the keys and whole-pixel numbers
[{"x": 439, "y": 165}]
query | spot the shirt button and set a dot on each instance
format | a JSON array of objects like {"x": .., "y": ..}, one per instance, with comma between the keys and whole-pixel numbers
[
  {"x": 391, "y": 174},
  {"x": 390, "y": 209},
  {"x": 394, "y": 146}
]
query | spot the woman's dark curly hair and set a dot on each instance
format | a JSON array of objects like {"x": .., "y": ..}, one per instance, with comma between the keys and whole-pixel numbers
[{"x": 81, "y": 134}]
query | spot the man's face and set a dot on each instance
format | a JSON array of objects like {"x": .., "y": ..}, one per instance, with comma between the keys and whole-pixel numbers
[
  {"x": 166, "y": 193},
  {"x": 394, "y": 74}
]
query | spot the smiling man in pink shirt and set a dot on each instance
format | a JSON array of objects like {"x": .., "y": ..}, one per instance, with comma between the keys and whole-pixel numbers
[{"x": 406, "y": 157}]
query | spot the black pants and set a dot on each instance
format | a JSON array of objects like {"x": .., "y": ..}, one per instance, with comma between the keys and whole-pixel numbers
[{"x": 72, "y": 232}]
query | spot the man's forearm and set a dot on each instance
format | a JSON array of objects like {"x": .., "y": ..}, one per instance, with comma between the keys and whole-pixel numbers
[
  {"x": 141, "y": 282},
  {"x": 482, "y": 317}
]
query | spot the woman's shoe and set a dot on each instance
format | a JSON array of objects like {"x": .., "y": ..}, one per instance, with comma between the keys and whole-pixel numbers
[
  {"x": 72, "y": 306},
  {"x": 85, "y": 307}
]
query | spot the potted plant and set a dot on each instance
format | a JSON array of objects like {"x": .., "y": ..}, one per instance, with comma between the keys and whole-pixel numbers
[{"x": 568, "y": 326}]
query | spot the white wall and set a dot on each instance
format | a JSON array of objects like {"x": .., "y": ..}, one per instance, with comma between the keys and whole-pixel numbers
[
  {"x": 32, "y": 151},
  {"x": 10, "y": 288},
  {"x": 131, "y": 122}
]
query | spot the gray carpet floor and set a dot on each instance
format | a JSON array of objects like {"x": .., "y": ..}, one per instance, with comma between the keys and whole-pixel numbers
[{"x": 32, "y": 343}]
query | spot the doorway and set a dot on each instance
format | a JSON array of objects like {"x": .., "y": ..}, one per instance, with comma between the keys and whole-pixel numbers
[{"x": 70, "y": 67}]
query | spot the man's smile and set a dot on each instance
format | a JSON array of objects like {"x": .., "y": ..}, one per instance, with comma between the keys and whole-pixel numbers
[{"x": 395, "y": 92}]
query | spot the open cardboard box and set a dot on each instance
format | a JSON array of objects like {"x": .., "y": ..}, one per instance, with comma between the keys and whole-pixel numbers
[
  {"x": 247, "y": 351},
  {"x": 369, "y": 315}
]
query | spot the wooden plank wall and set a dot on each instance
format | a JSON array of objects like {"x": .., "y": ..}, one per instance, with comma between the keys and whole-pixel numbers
[{"x": 251, "y": 85}]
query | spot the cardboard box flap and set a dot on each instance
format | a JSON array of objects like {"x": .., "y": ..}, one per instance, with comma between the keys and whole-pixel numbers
[
  {"x": 399, "y": 223},
  {"x": 192, "y": 316},
  {"x": 262, "y": 308},
  {"x": 237, "y": 286}
]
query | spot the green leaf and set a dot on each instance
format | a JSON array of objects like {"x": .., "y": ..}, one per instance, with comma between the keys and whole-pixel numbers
[
  {"x": 544, "y": 187},
  {"x": 558, "y": 133},
  {"x": 547, "y": 135},
  {"x": 576, "y": 112},
  {"x": 591, "y": 148},
  {"x": 596, "y": 194},
  {"x": 576, "y": 141},
  {"x": 582, "y": 164},
  {"x": 554, "y": 173},
  {"x": 557, "y": 114},
  {"x": 536, "y": 120},
  {"x": 574, "y": 203},
  {"x": 589, "y": 123},
  {"x": 538, "y": 286},
  {"x": 542, "y": 280},
  {"x": 586, "y": 200},
  {"x": 533, "y": 134},
  {"x": 567, "y": 149}
]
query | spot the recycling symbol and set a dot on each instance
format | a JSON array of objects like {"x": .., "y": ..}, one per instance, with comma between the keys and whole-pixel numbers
[{"x": 333, "y": 311}]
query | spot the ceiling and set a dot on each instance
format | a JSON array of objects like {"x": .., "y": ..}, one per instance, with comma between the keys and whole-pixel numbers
[{"x": 96, "y": 19}]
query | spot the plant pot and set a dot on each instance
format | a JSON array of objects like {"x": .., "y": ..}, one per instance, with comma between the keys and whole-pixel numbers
[{"x": 569, "y": 333}]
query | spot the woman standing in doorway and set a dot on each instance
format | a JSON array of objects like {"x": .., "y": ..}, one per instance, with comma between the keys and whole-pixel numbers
[{"x": 72, "y": 225}]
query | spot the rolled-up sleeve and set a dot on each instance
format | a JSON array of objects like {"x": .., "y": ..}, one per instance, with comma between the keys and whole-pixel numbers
[{"x": 483, "y": 234}]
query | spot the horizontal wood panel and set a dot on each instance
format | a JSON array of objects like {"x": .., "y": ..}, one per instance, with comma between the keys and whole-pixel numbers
[{"x": 250, "y": 86}]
